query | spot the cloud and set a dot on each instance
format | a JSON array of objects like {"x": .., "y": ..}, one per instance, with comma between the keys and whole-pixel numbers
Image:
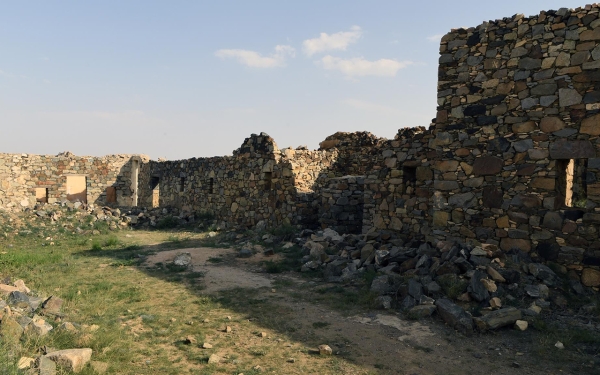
[
  {"x": 435, "y": 38},
  {"x": 358, "y": 67},
  {"x": 45, "y": 58},
  {"x": 5, "y": 74},
  {"x": 327, "y": 42},
  {"x": 256, "y": 60},
  {"x": 47, "y": 81}
]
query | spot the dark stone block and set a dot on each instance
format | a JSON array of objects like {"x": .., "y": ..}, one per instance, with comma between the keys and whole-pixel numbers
[
  {"x": 525, "y": 169},
  {"x": 591, "y": 261},
  {"x": 548, "y": 250},
  {"x": 487, "y": 166},
  {"x": 498, "y": 145},
  {"x": 563, "y": 149},
  {"x": 455, "y": 316},
  {"x": 492, "y": 197},
  {"x": 475, "y": 110},
  {"x": 486, "y": 120}
]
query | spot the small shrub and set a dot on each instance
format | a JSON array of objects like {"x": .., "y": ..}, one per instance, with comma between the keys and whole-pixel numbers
[
  {"x": 167, "y": 222},
  {"x": 96, "y": 245},
  {"x": 111, "y": 241}
]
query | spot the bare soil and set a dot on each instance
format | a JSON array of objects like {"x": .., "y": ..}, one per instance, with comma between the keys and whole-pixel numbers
[{"x": 382, "y": 342}]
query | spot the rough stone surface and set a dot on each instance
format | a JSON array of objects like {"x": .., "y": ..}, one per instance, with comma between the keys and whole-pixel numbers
[{"x": 72, "y": 359}]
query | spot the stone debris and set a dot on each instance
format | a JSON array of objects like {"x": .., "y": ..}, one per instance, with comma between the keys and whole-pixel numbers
[
  {"x": 521, "y": 325},
  {"x": 71, "y": 359},
  {"x": 214, "y": 359},
  {"x": 325, "y": 350}
]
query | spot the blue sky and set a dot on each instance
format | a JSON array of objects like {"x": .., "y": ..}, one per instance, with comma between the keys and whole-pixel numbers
[{"x": 182, "y": 79}]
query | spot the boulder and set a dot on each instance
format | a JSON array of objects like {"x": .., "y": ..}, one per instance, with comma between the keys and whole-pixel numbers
[
  {"x": 455, "y": 316},
  {"x": 71, "y": 359},
  {"x": 499, "y": 318}
]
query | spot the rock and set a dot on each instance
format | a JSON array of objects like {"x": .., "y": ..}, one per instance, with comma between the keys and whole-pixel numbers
[
  {"x": 490, "y": 285},
  {"x": 10, "y": 329},
  {"x": 38, "y": 326},
  {"x": 45, "y": 366},
  {"x": 325, "y": 350},
  {"x": 590, "y": 277},
  {"x": 183, "y": 260},
  {"x": 499, "y": 318},
  {"x": 422, "y": 311},
  {"x": 495, "y": 303},
  {"x": 381, "y": 285},
  {"x": 521, "y": 325},
  {"x": 559, "y": 345},
  {"x": 18, "y": 299},
  {"x": 263, "y": 334},
  {"x": 71, "y": 359},
  {"x": 415, "y": 289},
  {"x": 455, "y": 316},
  {"x": 20, "y": 285},
  {"x": 245, "y": 253},
  {"x": 206, "y": 346},
  {"x": 383, "y": 302},
  {"x": 487, "y": 165},
  {"x": 7, "y": 289},
  {"x": 214, "y": 359},
  {"x": 495, "y": 275},
  {"x": 25, "y": 363},
  {"x": 477, "y": 289},
  {"x": 543, "y": 273}
]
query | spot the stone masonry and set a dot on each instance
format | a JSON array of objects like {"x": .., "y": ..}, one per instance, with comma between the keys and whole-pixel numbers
[{"x": 511, "y": 160}]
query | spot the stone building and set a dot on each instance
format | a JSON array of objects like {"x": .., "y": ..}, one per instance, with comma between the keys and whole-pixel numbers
[{"x": 511, "y": 160}]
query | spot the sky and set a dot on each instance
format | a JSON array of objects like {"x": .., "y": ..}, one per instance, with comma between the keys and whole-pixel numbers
[{"x": 183, "y": 79}]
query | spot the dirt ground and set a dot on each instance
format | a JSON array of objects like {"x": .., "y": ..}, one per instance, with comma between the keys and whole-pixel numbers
[{"x": 383, "y": 341}]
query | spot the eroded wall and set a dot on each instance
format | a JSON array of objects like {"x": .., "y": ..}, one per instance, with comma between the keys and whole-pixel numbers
[{"x": 22, "y": 174}]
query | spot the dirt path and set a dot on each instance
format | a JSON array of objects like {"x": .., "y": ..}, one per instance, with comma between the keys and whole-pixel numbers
[{"x": 383, "y": 341}]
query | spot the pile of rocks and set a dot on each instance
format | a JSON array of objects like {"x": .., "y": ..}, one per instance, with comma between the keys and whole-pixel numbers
[
  {"x": 422, "y": 279},
  {"x": 25, "y": 313}
]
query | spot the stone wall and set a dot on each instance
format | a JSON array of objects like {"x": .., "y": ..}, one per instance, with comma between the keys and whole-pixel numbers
[
  {"x": 341, "y": 205},
  {"x": 518, "y": 99},
  {"x": 258, "y": 185},
  {"x": 22, "y": 174}
]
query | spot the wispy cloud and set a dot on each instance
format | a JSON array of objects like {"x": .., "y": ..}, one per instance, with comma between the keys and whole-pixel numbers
[
  {"x": 435, "y": 38},
  {"x": 358, "y": 67},
  {"x": 329, "y": 42},
  {"x": 256, "y": 60},
  {"x": 5, "y": 74}
]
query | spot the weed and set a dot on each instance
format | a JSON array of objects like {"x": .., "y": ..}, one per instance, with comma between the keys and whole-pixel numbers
[
  {"x": 111, "y": 241},
  {"x": 273, "y": 267},
  {"x": 167, "y": 222},
  {"x": 320, "y": 324},
  {"x": 96, "y": 245},
  {"x": 215, "y": 260},
  {"x": 452, "y": 285}
]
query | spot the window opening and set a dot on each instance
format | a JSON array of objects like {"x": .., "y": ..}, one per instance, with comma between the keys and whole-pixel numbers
[
  {"x": 211, "y": 186},
  {"x": 111, "y": 194},
  {"x": 268, "y": 180},
  {"x": 571, "y": 182},
  {"x": 41, "y": 195},
  {"x": 181, "y": 184},
  {"x": 155, "y": 187},
  {"x": 409, "y": 179}
]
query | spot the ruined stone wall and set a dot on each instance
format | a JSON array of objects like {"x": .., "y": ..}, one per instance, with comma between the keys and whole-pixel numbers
[
  {"x": 518, "y": 98},
  {"x": 257, "y": 185},
  {"x": 341, "y": 205},
  {"x": 22, "y": 174}
]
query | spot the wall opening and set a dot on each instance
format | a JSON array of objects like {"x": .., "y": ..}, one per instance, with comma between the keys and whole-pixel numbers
[
  {"x": 211, "y": 186},
  {"x": 181, "y": 184},
  {"x": 155, "y": 187},
  {"x": 135, "y": 171},
  {"x": 268, "y": 181},
  {"x": 571, "y": 182},
  {"x": 77, "y": 188},
  {"x": 111, "y": 194},
  {"x": 409, "y": 179},
  {"x": 41, "y": 195}
]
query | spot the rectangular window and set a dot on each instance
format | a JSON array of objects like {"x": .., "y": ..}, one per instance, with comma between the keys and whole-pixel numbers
[
  {"x": 268, "y": 180},
  {"x": 409, "y": 179},
  {"x": 571, "y": 182},
  {"x": 155, "y": 187},
  {"x": 41, "y": 195},
  {"x": 181, "y": 184},
  {"x": 211, "y": 186},
  {"x": 111, "y": 194},
  {"x": 77, "y": 188}
]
